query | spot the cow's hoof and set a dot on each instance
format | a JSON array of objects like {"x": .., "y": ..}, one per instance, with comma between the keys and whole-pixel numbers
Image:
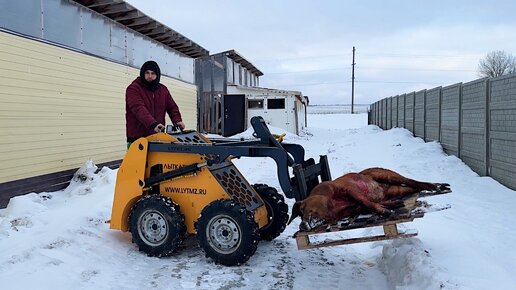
[{"x": 388, "y": 213}]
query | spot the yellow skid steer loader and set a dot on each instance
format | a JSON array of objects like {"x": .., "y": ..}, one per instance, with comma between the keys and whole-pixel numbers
[{"x": 174, "y": 183}]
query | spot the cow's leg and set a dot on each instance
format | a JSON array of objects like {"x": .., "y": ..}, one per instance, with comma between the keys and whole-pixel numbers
[
  {"x": 386, "y": 176},
  {"x": 362, "y": 199},
  {"x": 394, "y": 191}
]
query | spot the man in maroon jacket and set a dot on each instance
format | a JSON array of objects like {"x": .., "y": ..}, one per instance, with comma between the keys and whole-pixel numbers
[{"x": 146, "y": 102}]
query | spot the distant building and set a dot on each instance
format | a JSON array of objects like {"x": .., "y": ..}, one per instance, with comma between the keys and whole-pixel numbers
[{"x": 229, "y": 96}]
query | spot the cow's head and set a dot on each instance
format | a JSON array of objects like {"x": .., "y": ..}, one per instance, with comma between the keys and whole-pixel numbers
[{"x": 314, "y": 211}]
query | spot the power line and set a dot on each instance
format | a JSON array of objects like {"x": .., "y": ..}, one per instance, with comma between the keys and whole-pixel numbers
[
  {"x": 367, "y": 67},
  {"x": 302, "y": 57},
  {"x": 416, "y": 69},
  {"x": 370, "y": 55},
  {"x": 364, "y": 81}
]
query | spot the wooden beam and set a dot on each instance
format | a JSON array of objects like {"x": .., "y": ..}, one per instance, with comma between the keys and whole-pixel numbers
[
  {"x": 157, "y": 31},
  {"x": 182, "y": 45},
  {"x": 167, "y": 35},
  {"x": 390, "y": 230},
  {"x": 146, "y": 27},
  {"x": 133, "y": 14},
  {"x": 118, "y": 8},
  {"x": 175, "y": 38},
  {"x": 191, "y": 49},
  {"x": 303, "y": 242},
  {"x": 98, "y": 3},
  {"x": 139, "y": 21}
]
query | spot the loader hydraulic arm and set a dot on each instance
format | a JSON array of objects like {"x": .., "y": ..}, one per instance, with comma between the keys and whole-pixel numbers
[
  {"x": 306, "y": 172},
  {"x": 219, "y": 153}
]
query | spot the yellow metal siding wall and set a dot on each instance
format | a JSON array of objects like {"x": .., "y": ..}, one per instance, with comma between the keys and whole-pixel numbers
[{"x": 59, "y": 108}]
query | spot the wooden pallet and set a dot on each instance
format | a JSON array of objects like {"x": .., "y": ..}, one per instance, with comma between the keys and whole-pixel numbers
[{"x": 410, "y": 210}]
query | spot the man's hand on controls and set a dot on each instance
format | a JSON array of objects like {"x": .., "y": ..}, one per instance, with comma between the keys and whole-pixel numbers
[{"x": 159, "y": 128}]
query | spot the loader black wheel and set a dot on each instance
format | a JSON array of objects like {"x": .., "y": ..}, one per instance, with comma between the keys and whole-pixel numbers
[
  {"x": 157, "y": 225},
  {"x": 227, "y": 232},
  {"x": 277, "y": 211}
]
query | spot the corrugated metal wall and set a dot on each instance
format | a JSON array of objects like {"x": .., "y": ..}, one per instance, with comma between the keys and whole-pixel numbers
[
  {"x": 475, "y": 121},
  {"x": 75, "y": 26},
  {"x": 60, "y": 108}
]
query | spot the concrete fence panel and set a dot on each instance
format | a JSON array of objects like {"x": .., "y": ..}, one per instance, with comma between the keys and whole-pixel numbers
[
  {"x": 372, "y": 114},
  {"x": 389, "y": 113},
  {"x": 401, "y": 111},
  {"x": 409, "y": 111},
  {"x": 433, "y": 114},
  {"x": 473, "y": 132},
  {"x": 377, "y": 113},
  {"x": 394, "y": 111},
  {"x": 382, "y": 114},
  {"x": 450, "y": 125},
  {"x": 419, "y": 114},
  {"x": 502, "y": 130}
]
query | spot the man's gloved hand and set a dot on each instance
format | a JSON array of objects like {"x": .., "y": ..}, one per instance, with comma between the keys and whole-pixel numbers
[
  {"x": 181, "y": 125},
  {"x": 159, "y": 128}
]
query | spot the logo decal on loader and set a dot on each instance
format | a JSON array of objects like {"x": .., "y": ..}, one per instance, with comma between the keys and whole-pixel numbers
[
  {"x": 185, "y": 190},
  {"x": 171, "y": 166}
]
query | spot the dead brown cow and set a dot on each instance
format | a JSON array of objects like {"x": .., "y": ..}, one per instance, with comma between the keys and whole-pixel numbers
[{"x": 372, "y": 190}]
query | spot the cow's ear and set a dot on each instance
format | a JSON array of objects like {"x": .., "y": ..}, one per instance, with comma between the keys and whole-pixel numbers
[{"x": 295, "y": 211}]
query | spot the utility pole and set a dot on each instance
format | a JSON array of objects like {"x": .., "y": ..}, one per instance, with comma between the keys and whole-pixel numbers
[{"x": 353, "y": 82}]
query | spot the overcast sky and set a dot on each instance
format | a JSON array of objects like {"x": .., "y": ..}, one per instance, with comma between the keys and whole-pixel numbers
[{"x": 401, "y": 46}]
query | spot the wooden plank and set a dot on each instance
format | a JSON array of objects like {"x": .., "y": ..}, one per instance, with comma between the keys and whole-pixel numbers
[
  {"x": 373, "y": 223},
  {"x": 302, "y": 245},
  {"x": 390, "y": 230},
  {"x": 303, "y": 242}
]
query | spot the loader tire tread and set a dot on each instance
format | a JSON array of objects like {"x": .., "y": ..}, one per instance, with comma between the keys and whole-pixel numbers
[{"x": 277, "y": 211}]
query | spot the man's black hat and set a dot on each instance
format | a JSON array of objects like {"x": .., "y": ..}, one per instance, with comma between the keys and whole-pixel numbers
[{"x": 153, "y": 66}]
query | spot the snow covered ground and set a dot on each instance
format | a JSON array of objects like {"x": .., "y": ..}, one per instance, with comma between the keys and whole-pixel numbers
[{"x": 60, "y": 240}]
